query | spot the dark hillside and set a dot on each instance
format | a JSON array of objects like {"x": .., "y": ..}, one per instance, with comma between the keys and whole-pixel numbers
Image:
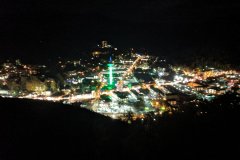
[{"x": 43, "y": 130}]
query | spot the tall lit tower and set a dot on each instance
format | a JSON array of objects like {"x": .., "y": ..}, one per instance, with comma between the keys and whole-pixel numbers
[
  {"x": 110, "y": 72},
  {"x": 110, "y": 66}
]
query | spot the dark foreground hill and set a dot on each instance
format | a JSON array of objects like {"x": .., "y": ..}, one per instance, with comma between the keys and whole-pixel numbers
[{"x": 43, "y": 130}]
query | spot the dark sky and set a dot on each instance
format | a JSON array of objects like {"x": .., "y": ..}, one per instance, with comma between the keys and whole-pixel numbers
[{"x": 40, "y": 29}]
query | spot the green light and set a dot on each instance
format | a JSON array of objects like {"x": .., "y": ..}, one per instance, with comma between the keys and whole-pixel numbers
[
  {"x": 130, "y": 85},
  {"x": 110, "y": 73},
  {"x": 163, "y": 108}
]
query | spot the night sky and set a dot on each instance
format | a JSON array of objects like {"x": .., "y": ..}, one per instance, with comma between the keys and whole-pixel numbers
[{"x": 42, "y": 29}]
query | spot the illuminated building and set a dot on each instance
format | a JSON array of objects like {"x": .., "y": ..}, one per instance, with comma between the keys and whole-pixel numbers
[
  {"x": 110, "y": 72},
  {"x": 105, "y": 44},
  {"x": 119, "y": 86},
  {"x": 110, "y": 81},
  {"x": 18, "y": 62},
  {"x": 96, "y": 53}
]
